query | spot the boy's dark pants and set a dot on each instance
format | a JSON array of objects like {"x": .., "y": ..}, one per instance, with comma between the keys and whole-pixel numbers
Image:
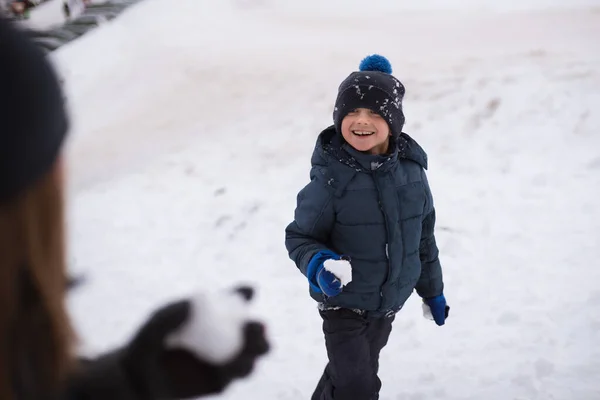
[{"x": 353, "y": 344}]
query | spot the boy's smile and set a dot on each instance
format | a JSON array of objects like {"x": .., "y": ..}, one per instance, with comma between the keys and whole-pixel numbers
[
  {"x": 366, "y": 131},
  {"x": 363, "y": 133}
]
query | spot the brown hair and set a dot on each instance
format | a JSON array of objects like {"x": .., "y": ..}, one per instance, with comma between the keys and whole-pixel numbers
[{"x": 35, "y": 331}]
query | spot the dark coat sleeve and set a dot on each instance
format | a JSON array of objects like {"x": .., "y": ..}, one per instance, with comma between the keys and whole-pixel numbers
[
  {"x": 430, "y": 283},
  {"x": 313, "y": 221},
  {"x": 99, "y": 379}
]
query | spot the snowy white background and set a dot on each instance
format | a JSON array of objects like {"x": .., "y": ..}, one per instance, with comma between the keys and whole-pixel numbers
[{"x": 193, "y": 124}]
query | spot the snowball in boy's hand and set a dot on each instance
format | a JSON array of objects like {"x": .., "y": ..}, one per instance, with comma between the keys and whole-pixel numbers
[
  {"x": 215, "y": 328},
  {"x": 341, "y": 269},
  {"x": 427, "y": 311}
]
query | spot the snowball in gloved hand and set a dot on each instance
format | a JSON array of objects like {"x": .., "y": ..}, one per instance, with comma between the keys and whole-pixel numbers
[
  {"x": 341, "y": 269},
  {"x": 215, "y": 328}
]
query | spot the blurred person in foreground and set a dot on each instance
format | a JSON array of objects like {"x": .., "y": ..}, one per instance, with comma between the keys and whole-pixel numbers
[{"x": 164, "y": 359}]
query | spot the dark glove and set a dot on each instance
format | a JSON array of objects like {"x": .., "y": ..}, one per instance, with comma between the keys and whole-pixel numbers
[
  {"x": 147, "y": 370},
  {"x": 190, "y": 377},
  {"x": 438, "y": 308}
]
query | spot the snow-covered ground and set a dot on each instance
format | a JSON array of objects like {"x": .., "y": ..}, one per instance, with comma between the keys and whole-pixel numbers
[{"x": 193, "y": 125}]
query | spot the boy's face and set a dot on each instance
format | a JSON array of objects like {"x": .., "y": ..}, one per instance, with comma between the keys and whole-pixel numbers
[{"x": 366, "y": 131}]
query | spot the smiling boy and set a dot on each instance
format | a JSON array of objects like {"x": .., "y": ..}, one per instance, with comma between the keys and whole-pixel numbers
[{"x": 368, "y": 203}]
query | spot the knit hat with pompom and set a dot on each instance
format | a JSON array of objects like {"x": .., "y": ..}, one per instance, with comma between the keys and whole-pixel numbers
[{"x": 373, "y": 87}]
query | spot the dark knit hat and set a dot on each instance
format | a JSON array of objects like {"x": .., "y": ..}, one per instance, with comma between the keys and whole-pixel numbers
[
  {"x": 33, "y": 121},
  {"x": 372, "y": 87}
]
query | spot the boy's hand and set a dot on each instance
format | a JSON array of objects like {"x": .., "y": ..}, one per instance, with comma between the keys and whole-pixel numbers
[
  {"x": 435, "y": 308},
  {"x": 329, "y": 283},
  {"x": 333, "y": 275},
  {"x": 330, "y": 272}
]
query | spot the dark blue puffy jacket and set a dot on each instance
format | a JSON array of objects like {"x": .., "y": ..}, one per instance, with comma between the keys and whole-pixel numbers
[{"x": 376, "y": 209}]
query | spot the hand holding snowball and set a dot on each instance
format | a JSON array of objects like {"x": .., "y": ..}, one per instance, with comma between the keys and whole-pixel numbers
[
  {"x": 220, "y": 341},
  {"x": 436, "y": 309},
  {"x": 330, "y": 271},
  {"x": 189, "y": 348}
]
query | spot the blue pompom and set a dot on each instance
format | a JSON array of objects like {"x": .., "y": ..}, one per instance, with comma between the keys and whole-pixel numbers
[{"x": 375, "y": 62}]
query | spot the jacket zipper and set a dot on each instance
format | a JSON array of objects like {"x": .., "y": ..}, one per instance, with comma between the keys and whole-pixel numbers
[{"x": 387, "y": 238}]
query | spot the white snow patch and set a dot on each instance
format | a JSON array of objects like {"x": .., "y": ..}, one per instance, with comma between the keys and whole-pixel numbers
[{"x": 341, "y": 269}]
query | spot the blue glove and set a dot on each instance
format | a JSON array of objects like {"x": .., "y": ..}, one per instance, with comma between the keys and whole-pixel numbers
[
  {"x": 329, "y": 283},
  {"x": 439, "y": 308},
  {"x": 321, "y": 280}
]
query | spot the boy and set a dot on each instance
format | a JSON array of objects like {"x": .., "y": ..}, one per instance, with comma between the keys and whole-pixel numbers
[{"x": 363, "y": 232}]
